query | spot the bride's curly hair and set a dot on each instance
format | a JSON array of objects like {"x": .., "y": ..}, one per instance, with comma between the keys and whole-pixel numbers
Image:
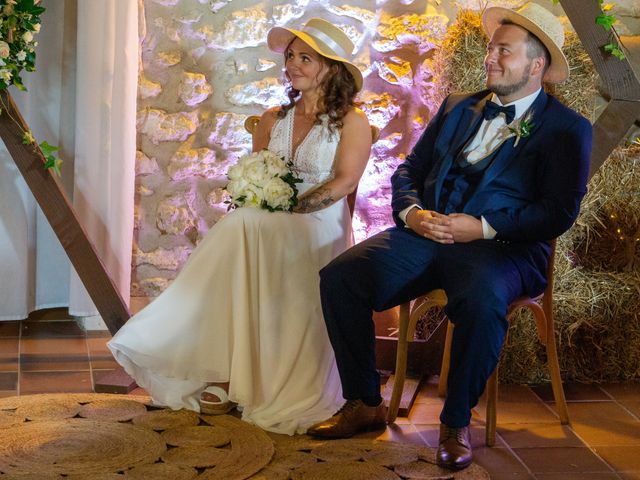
[{"x": 337, "y": 94}]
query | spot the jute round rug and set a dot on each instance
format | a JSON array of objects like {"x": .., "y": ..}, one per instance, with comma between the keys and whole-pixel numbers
[{"x": 116, "y": 437}]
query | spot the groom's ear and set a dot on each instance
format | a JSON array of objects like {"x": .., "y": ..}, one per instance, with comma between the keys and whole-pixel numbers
[{"x": 538, "y": 66}]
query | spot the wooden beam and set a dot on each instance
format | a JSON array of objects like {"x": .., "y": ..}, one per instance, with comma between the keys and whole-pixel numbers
[
  {"x": 610, "y": 129},
  {"x": 618, "y": 76},
  {"x": 51, "y": 198}
]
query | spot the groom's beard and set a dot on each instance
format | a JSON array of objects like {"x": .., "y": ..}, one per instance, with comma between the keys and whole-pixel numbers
[{"x": 508, "y": 89}]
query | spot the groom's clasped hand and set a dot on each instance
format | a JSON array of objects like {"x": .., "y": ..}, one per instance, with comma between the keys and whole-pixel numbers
[{"x": 455, "y": 227}]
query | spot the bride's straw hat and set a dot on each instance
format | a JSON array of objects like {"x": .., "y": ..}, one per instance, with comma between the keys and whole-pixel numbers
[
  {"x": 324, "y": 37},
  {"x": 540, "y": 22}
]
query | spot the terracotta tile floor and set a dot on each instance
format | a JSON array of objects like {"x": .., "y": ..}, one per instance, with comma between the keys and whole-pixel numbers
[{"x": 603, "y": 441}]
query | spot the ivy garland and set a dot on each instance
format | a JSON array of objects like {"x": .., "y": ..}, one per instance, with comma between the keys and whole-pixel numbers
[{"x": 19, "y": 23}]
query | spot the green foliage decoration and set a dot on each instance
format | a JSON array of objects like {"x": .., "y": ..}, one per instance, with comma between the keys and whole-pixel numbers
[
  {"x": 19, "y": 23},
  {"x": 607, "y": 21}
]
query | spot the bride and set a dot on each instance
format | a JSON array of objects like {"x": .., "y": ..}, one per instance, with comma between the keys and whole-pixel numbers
[{"x": 244, "y": 313}]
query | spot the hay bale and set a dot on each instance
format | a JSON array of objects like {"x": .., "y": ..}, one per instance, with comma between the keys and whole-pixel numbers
[
  {"x": 457, "y": 63},
  {"x": 597, "y": 287}
]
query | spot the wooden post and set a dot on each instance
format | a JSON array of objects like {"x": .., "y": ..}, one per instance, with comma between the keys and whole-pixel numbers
[
  {"x": 618, "y": 77},
  {"x": 51, "y": 198}
]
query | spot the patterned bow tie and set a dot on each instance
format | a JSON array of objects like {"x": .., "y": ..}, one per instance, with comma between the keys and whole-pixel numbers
[{"x": 491, "y": 110}]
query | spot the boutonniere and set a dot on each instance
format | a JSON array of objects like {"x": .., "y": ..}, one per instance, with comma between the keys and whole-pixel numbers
[{"x": 522, "y": 127}]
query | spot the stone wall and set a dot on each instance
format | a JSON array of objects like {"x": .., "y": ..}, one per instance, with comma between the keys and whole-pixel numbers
[{"x": 205, "y": 67}]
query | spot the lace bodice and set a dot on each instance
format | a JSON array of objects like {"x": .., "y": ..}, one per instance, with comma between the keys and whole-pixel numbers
[{"x": 315, "y": 155}]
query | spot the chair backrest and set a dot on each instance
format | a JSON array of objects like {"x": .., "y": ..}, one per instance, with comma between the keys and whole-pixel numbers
[{"x": 251, "y": 122}]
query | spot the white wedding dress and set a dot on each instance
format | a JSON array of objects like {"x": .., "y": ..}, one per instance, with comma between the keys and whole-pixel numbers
[{"x": 246, "y": 308}]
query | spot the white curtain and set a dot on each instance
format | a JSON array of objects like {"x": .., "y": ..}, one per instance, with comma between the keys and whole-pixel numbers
[{"x": 82, "y": 98}]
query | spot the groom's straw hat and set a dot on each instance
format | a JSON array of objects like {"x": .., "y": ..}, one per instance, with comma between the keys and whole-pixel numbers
[
  {"x": 324, "y": 37},
  {"x": 540, "y": 22}
]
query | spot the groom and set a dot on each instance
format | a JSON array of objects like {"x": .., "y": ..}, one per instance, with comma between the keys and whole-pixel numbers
[{"x": 495, "y": 177}]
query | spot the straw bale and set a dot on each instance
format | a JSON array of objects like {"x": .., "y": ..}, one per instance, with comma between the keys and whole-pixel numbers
[
  {"x": 597, "y": 287},
  {"x": 457, "y": 63},
  {"x": 580, "y": 90}
]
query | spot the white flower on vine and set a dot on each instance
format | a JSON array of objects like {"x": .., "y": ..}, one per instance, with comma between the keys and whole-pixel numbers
[
  {"x": 4, "y": 49},
  {"x": 36, "y": 28},
  {"x": 21, "y": 55},
  {"x": 27, "y": 36}
]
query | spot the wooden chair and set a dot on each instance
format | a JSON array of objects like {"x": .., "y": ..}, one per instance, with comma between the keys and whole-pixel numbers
[
  {"x": 543, "y": 315},
  {"x": 251, "y": 122}
]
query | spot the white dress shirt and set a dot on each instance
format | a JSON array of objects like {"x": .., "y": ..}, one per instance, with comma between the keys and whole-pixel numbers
[{"x": 490, "y": 135}]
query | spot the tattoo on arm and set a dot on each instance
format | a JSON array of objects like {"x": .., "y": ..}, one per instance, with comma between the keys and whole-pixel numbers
[{"x": 315, "y": 200}]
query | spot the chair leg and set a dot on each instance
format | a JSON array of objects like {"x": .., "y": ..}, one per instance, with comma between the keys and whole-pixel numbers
[
  {"x": 556, "y": 380},
  {"x": 446, "y": 358},
  {"x": 492, "y": 401},
  {"x": 546, "y": 331},
  {"x": 401, "y": 363}
]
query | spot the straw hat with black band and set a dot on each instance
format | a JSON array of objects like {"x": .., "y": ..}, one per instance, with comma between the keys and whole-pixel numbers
[
  {"x": 541, "y": 23},
  {"x": 323, "y": 37}
]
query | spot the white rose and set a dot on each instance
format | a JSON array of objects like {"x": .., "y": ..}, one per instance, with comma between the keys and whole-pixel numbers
[
  {"x": 255, "y": 171},
  {"x": 278, "y": 193},
  {"x": 4, "y": 49},
  {"x": 275, "y": 166},
  {"x": 236, "y": 171},
  {"x": 21, "y": 55},
  {"x": 236, "y": 188},
  {"x": 36, "y": 28},
  {"x": 254, "y": 196},
  {"x": 27, "y": 36}
]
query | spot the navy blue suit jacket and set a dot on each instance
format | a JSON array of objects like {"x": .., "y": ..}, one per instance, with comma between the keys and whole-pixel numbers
[{"x": 529, "y": 194}]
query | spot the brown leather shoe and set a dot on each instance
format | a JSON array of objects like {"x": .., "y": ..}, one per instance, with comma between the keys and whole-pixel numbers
[
  {"x": 353, "y": 417},
  {"x": 454, "y": 451}
]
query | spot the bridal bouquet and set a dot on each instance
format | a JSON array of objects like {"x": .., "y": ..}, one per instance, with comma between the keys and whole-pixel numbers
[{"x": 262, "y": 180}]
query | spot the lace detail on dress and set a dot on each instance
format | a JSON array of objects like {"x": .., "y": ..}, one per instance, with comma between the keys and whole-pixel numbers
[{"x": 315, "y": 155}]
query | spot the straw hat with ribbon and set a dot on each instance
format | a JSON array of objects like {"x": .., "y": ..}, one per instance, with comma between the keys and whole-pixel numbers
[
  {"x": 541, "y": 23},
  {"x": 323, "y": 37}
]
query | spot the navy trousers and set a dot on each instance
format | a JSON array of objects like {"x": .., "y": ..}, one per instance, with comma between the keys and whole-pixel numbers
[{"x": 480, "y": 278}]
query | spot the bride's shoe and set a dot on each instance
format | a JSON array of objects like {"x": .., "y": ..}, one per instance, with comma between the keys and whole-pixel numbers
[{"x": 221, "y": 406}]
